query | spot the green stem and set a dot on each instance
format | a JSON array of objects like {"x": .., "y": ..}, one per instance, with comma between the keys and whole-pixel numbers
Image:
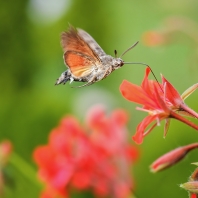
[{"x": 23, "y": 167}]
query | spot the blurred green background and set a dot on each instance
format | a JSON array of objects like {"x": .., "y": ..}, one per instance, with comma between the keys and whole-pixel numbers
[{"x": 31, "y": 61}]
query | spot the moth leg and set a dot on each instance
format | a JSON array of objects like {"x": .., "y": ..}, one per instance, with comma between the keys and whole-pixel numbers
[
  {"x": 90, "y": 82},
  {"x": 106, "y": 73},
  {"x": 87, "y": 84}
]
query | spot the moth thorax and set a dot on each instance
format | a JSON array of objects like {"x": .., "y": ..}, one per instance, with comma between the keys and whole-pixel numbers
[{"x": 117, "y": 62}]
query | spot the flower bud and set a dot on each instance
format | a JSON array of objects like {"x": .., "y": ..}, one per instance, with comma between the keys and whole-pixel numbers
[
  {"x": 191, "y": 186},
  {"x": 171, "y": 157}
]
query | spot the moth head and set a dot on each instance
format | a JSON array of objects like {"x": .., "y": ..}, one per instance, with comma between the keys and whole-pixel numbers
[{"x": 118, "y": 62}]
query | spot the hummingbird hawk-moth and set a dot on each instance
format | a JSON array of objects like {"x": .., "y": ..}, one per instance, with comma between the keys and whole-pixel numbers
[{"x": 85, "y": 59}]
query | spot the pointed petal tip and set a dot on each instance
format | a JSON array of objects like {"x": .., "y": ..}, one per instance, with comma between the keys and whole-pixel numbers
[
  {"x": 137, "y": 139},
  {"x": 181, "y": 186},
  {"x": 156, "y": 167},
  {"x": 152, "y": 170},
  {"x": 195, "y": 163}
]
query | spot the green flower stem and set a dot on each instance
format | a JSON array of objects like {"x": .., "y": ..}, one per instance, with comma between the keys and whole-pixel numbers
[{"x": 22, "y": 166}]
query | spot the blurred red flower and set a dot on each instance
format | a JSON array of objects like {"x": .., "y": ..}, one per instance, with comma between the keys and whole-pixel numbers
[
  {"x": 193, "y": 195},
  {"x": 161, "y": 101},
  {"x": 154, "y": 38},
  {"x": 95, "y": 156},
  {"x": 5, "y": 152}
]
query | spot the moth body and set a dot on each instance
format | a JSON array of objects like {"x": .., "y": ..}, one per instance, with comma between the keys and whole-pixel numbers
[{"x": 85, "y": 59}]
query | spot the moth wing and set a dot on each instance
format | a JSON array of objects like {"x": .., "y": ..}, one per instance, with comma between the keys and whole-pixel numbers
[
  {"x": 91, "y": 42},
  {"x": 73, "y": 41},
  {"x": 79, "y": 64}
]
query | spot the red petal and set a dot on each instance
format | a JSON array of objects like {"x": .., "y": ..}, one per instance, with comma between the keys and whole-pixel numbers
[
  {"x": 122, "y": 189},
  {"x": 58, "y": 140},
  {"x": 43, "y": 155},
  {"x": 132, "y": 153},
  {"x": 49, "y": 192},
  {"x": 147, "y": 85},
  {"x": 120, "y": 117},
  {"x": 193, "y": 195},
  {"x": 138, "y": 137},
  {"x": 81, "y": 180},
  {"x": 62, "y": 176},
  {"x": 96, "y": 117},
  {"x": 171, "y": 93},
  {"x": 160, "y": 102},
  {"x": 145, "y": 82},
  {"x": 135, "y": 94}
]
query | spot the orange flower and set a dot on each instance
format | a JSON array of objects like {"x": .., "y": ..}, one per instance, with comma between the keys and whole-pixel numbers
[{"x": 161, "y": 101}]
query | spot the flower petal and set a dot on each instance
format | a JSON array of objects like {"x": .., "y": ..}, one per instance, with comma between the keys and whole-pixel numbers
[
  {"x": 163, "y": 106},
  {"x": 145, "y": 82},
  {"x": 135, "y": 93},
  {"x": 148, "y": 85},
  {"x": 191, "y": 186},
  {"x": 171, "y": 93},
  {"x": 139, "y": 135},
  {"x": 172, "y": 157},
  {"x": 192, "y": 195}
]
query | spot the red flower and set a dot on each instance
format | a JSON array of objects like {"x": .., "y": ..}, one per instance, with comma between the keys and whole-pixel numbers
[
  {"x": 96, "y": 156},
  {"x": 161, "y": 101}
]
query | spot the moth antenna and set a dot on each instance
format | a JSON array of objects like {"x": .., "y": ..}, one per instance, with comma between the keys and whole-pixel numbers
[
  {"x": 129, "y": 49},
  {"x": 115, "y": 52},
  {"x": 151, "y": 72}
]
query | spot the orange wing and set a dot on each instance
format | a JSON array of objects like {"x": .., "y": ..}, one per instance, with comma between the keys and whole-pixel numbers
[
  {"x": 72, "y": 41},
  {"x": 80, "y": 65}
]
